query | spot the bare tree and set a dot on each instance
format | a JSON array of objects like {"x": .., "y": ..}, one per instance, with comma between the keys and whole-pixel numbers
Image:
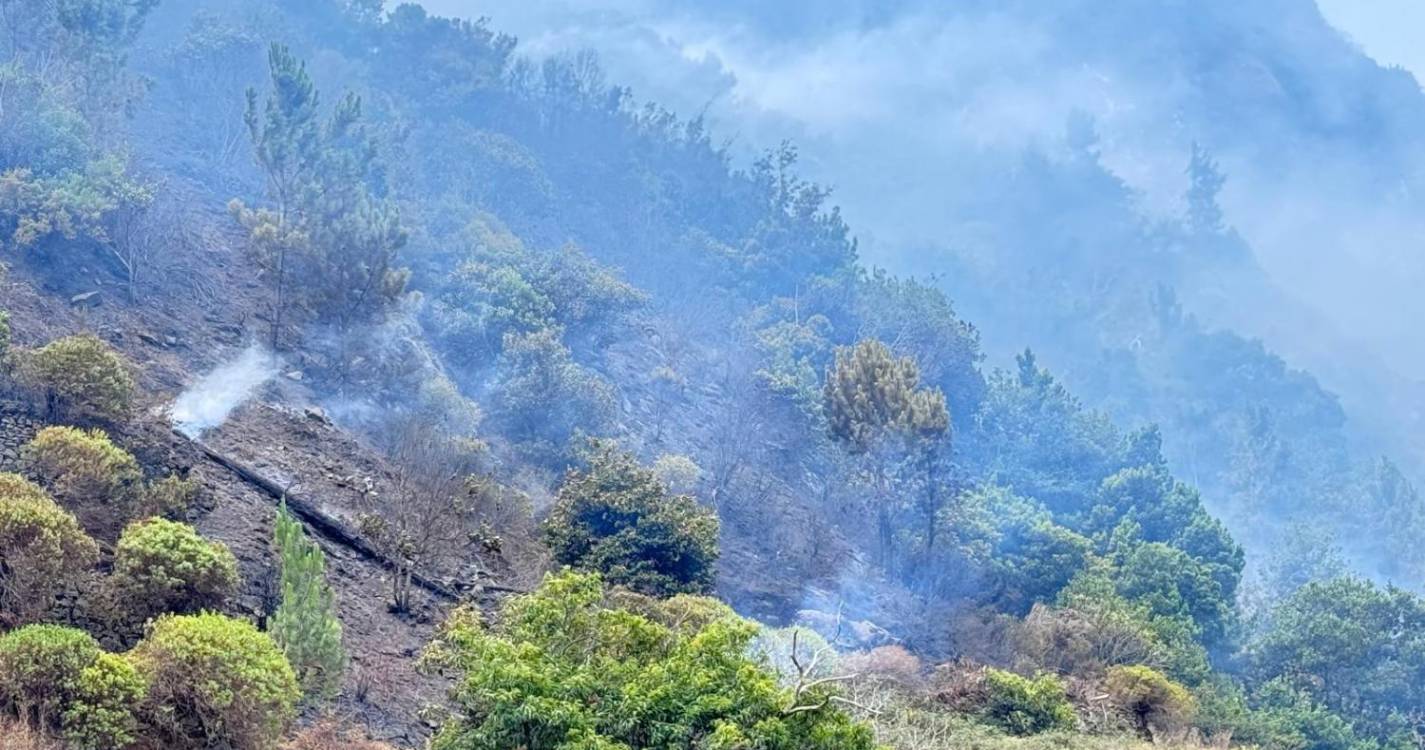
[{"x": 429, "y": 520}]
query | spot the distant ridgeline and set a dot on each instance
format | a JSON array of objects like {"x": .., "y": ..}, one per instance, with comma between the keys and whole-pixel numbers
[{"x": 516, "y": 257}]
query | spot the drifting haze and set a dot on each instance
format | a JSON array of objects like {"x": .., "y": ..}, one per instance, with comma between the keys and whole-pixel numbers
[{"x": 909, "y": 108}]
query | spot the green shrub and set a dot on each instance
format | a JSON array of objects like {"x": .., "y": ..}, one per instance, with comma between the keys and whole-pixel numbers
[
  {"x": 57, "y": 678},
  {"x": 88, "y": 474},
  {"x": 567, "y": 668},
  {"x": 39, "y": 670},
  {"x": 81, "y": 378},
  {"x": 1153, "y": 700},
  {"x": 42, "y": 550},
  {"x": 616, "y": 518},
  {"x": 305, "y": 624},
  {"x": 213, "y": 679},
  {"x": 103, "y": 715},
  {"x": 164, "y": 566},
  {"x": 1022, "y": 706}
]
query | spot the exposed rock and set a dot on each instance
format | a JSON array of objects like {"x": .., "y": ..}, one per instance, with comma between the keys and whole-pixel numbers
[{"x": 87, "y": 299}]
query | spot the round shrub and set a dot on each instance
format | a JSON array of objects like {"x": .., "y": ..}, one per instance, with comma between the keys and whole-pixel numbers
[
  {"x": 164, "y": 566},
  {"x": 87, "y": 474},
  {"x": 1152, "y": 699},
  {"x": 81, "y": 378},
  {"x": 57, "y": 678},
  {"x": 1023, "y": 706},
  {"x": 616, "y": 518},
  {"x": 213, "y": 678},
  {"x": 103, "y": 713},
  {"x": 42, "y": 550},
  {"x": 39, "y": 670}
]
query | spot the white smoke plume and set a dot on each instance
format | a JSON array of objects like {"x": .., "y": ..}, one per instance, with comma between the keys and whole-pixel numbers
[{"x": 208, "y": 402}]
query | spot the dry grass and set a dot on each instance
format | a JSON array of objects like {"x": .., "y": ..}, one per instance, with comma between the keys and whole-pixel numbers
[
  {"x": 327, "y": 734},
  {"x": 16, "y": 736}
]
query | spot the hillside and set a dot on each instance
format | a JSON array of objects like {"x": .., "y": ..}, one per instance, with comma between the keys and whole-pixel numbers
[{"x": 365, "y": 379}]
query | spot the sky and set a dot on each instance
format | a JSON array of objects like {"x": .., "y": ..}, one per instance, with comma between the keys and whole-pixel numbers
[{"x": 1391, "y": 31}]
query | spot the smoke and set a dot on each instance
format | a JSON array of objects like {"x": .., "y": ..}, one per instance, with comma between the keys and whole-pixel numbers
[{"x": 209, "y": 401}]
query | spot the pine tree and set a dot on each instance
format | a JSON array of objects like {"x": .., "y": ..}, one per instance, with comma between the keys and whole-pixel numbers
[
  {"x": 876, "y": 409},
  {"x": 305, "y": 625}
]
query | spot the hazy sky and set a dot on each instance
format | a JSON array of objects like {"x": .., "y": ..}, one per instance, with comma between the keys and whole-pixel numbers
[{"x": 1391, "y": 31}]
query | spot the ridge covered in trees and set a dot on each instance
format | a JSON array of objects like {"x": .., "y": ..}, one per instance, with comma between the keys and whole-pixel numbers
[{"x": 756, "y": 493}]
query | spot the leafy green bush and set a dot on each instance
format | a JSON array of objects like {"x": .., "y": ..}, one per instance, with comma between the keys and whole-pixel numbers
[
  {"x": 1021, "y": 706},
  {"x": 305, "y": 624},
  {"x": 81, "y": 378},
  {"x": 213, "y": 679},
  {"x": 42, "y": 549},
  {"x": 164, "y": 566},
  {"x": 616, "y": 518},
  {"x": 1153, "y": 700},
  {"x": 564, "y": 668},
  {"x": 57, "y": 678},
  {"x": 88, "y": 474},
  {"x": 75, "y": 205},
  {"x": 103, "y": 715}
]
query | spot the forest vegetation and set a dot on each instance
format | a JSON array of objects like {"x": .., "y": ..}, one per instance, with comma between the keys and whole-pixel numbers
[{"x": 367, "y": 383}]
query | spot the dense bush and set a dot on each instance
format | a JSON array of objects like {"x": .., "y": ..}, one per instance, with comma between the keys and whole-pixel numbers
[
  {"x": 80, "y": 378},
  {"x": 565, "y": 669},
  {"x": 616, "y": 518},
  {"x": 42, "y": 550},
  {"x": 1021, "y": 705},
  {"x": 1155, "y": 702},
  {"x": 89, "y": 475},
  {"x": 214, "y": 682},
  {"x": 57, "y": 678},
  {"x": 163, "y": 566}
]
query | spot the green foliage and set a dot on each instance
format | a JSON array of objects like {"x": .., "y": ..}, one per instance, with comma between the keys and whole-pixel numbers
[
  {"x": 42, "y": 550},
  {"x": 88, "y": 474},
  {"x": 305, "y": 625},
  {"x": 81, "y": 378},
  {"x": 874, "y": 407},
  {"x": 1153, "y": 700},
  {"x": 544, "y": 398},
  {"x": 57, "y": 678},
  {"x": 1040, "y": 441},
  {"x": 1022, "y": 706},
  {"x": 501, "y": 287},
  {"x": 1350, "y": 647},
  {"x": 1016, "y": 541},
  {"x": 919, "y": 318},
  {"x": 563, "y": 669},
  {"x": 870, "y": 396},
  {"x": 1173, "y": 639},
  {"x": 330, "y": 243},
  {"x": 77, "y": 205},
  {"x": 214, "y": 679},
  {"x": 163, "y": 566},
  {"x": 103, "y": 714},
  {"x": 616, "y": 518}
]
